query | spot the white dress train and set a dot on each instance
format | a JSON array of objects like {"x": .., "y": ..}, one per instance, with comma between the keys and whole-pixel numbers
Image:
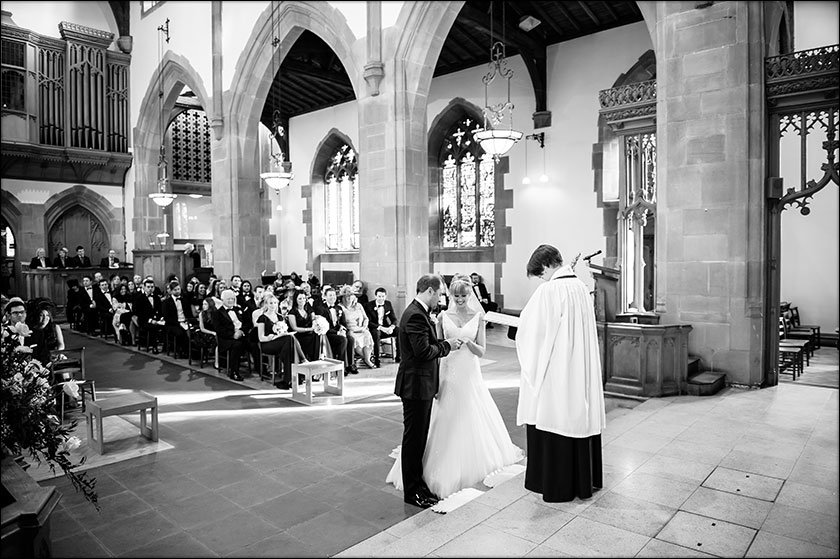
[{"x": 467, "y": 437}]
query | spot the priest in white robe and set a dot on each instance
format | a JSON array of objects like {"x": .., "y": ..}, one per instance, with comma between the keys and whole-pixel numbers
[{"x": 561, "y": 397}]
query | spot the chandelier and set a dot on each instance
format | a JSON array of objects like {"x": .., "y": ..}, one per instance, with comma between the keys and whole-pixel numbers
[
  {"x": 164, "y": 196},
  {"x": 497, "y": 141},
  {"x": 278, "y": 178}
]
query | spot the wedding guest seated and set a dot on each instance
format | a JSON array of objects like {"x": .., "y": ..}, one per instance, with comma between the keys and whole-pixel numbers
[
  {"x": 80, "y": 260},
  {"x": 313, "y": 282},
  {"x": 39, "y": 261},
  {"x": 245, "y": 296},
  {"x": 296, "y": 279},
  {"x": 230, "y": 333},
  {"x": 87, "y": 304},
  {"x": 74, "y": 311},
  {"x": 236, "y": 283},
  {"x": 300, "y": 321},
  {"x": 338, "y": 336},
  {"x": 177, "y": 316},
  {"x": 46, "y": 335},
  {"x": 360, "y": 289},
  {"x": 287, "y": 303},
  {"x": 61, "y": 261},
  {"x": 110, "y": 261},
  {"x": 148, "y": 309},
  {"x": 382, "y": 323},
  {"x": 275, "y": 338},
  {"x": 357, "y": 324},
  {"x": 483, "y": 296},
  {"x": 123, "y": 306},
  {"x": 205, "y": 336},
  {"x": 104, "y": 307}
]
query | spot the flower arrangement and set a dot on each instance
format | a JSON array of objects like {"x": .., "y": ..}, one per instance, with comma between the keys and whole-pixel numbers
[
  {"x": 280, "y": 327},
  {"x": 27, "y": 413},
  {"x": 320, "y": 325}
]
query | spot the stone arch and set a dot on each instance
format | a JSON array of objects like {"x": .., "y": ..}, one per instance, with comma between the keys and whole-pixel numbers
[
  {"x": 175, "y": 73},
  {"x": 445, "y": 119},
  {"x": 313, "y": 192},
  {"x": 778, "y": 28},
  {"x": 10, "y": 209},
  {"x": 60, "y": 203}
]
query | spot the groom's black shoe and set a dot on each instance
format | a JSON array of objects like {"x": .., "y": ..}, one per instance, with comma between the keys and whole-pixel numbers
[{"x": 419, "y": 500}]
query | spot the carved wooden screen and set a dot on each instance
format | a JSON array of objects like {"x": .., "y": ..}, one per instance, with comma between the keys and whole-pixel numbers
[
  {"x": 77, "y": 226},
  {"x": 191, "y": 161}
]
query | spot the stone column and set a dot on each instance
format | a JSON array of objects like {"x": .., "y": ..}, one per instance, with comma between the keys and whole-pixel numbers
[{"x": 709, "y": 224}]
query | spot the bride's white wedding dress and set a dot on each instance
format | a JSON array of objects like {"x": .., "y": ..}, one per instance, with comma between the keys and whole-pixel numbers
[{"x": 467, "y": 437}]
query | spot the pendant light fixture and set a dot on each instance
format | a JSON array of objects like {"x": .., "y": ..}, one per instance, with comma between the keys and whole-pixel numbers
[
  {"x": 278, "y": 178},
  {"x": 164, "y": 195},
  {"x": 497, "y": 141}
]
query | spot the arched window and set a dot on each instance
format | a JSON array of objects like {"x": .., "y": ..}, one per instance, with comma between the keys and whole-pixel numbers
[
  {"x": 467, "y": 189},
  {"x": 341, "y": 182}
]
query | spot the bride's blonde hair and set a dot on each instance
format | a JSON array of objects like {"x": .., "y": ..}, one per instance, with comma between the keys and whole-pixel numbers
[{"x": 460, "y": 286}]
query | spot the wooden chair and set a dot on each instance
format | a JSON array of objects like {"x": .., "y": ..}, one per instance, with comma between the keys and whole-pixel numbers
[
  {"x": 812, "y": 330},
  {"x": 67, "y": 369},
  {"x": 792, "y": 353},
  {"x": 785, "y": 339},
  {"x": 271, "y": 361}
]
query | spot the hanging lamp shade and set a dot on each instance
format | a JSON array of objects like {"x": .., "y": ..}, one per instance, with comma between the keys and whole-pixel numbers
[
  {"x": 497, "y": 142},
  {"x": 277, "y": 181}
]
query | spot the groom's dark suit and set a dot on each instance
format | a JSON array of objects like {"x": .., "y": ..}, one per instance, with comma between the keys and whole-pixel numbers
[{"x": 416, "y": 384}]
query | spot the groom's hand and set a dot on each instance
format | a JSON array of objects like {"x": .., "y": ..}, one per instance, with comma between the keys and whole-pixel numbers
[{"x": 454, "y": 343}]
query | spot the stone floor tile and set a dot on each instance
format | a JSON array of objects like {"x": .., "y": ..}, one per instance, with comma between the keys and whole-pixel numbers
[
  {"x": 627, "y": 513},
  {"x": 545, "y": 551},
  {"x": 82, "y": 544},
  {"x": 279, "y": 545},
  {"x": 586, "y": 538},
  {"x": 332, "y": 532},
  {"x": 809, "y": 474},
  {"x": 623, "y": 457},
  {"x": 767, "y": 544},
  {"x": 744, "y": 483},
  {"x": 709, "y": 535},
  {"x": 290, "y": 509},
  {"x": 373, "y": 473},
  {"x": 269, "y": 459},
  {"x": 771, "y": 466},
  {"x": 113, "y": 508},
  {"x": 242, "y": 446},
  {"x": 659, "y": 548},
  {"x": 690, "y": 451},
  {"x": 144, "y": 529},
  {"x": 222, "y": 475},
  {"x": 528, "y": 520},
  {"x": 370, "y": 547},
  {"x": 378, "y": 508},
  {"x": 171, "y": 490},
  {"x": 63, "y": 524},
  {"x": 639, "y": 441},
  {"x": 484, "y": 541},
  {"x": 255, "y": 490},
  {"x": 668, "y": 492},
  {"x": 201, "y": 509},
  {"x": 144, "y": 474},
  {"x": 234, "y": 532},
  {"x": 343, "y": 459},
  {"x": 803, "y": 525},
  {"x": 678, "y": 469},
  {"x": 301, "y": 474},
  {"x": 737, "y": 509},
  {"x": 179, "y": 544},
  {"x": 505, "y": 493},
  {"x": 823, "y": 501}
]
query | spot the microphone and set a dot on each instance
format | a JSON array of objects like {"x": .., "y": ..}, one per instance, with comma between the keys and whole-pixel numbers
[{"x": 594, "y": 254}]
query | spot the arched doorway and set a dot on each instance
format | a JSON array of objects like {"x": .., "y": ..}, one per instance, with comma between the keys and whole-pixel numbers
[
  {"x": 8, "y": 252},
  {"x": 78, "y": 226}
]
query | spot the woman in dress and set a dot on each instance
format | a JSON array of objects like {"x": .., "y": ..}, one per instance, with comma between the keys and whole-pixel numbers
[
  {"x": 205, "y": 336},
  {"x": 300, "y": 321},
  {"x": 357, "y": 324},
  {"x": 275, "y": 338},
  {"x": 46, "y": 337},
  {"x": 467, "y": 437},
  {"x": 287, "y": 303},
  {"x": 122, "y": 301}
]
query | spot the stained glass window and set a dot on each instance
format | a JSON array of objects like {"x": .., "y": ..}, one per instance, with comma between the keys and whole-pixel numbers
[
  {"x": 467, "y": 189},
  {"x": 342, "y": 200}
]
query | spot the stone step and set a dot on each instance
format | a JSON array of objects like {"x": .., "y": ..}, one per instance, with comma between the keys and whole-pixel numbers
[
  {"x": 706, "y": 383},
  {"x": 693, "y": 365}
]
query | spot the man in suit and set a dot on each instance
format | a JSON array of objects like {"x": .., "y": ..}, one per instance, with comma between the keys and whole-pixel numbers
[
  {"x": 483, "y": 296},
  {"x": 104, "y": 306},
  {"x": 80, "y": 260},
  {"x": 338, "y": 335},
  {"x": 148, "y": 310},
  {"x": 417, "y": 384},
  {"x": 39, "y": 260},
  {"x": 177, "y": 316},
  {"x": 111, "y": 261},
  {"x": 61, "y": 261},
  {"x": 382, "y": 323},
  {"x": 86, "y": 300},
  {"x": 228, "y": 323}
]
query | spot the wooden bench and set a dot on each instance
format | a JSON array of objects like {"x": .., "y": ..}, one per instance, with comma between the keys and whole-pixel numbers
[
  {"x": 323, "y": 367},
  {"x": 119, "y": 405}
]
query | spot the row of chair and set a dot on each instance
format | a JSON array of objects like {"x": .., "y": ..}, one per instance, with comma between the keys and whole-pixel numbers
[{"x": 797, "y": 341}]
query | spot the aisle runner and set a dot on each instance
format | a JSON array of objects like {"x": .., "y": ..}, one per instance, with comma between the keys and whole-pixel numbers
[{"x": 122, "y": 442}]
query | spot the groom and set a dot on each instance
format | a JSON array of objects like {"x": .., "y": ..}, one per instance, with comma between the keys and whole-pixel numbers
[{"x": 417, "y": 385}]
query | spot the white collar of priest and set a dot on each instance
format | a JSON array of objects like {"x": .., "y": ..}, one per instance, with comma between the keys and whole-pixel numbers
[{"x": 563, "y": 271}]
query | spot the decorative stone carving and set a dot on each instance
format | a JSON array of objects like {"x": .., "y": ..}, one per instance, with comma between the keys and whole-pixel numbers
[
  {"x": 374, "y": 72},
  {"x": 634, "y": 104}
]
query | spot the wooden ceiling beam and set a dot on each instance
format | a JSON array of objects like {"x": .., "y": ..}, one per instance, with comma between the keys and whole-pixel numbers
[
  {"x": 610, "y": 10},
  {"x": 305, "y": 70},
  {"x": 568, "y": 15},
  {"x": 309, "y": 90},
  {"x": 481, "y": 51},
  {"x": 548, "y": 20},
  {"x": 590, "y": 13},
  {"x": 513, "y": 35}
]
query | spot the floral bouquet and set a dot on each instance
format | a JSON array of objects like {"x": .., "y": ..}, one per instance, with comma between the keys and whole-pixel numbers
[
  {"x": 280, "y": 327},
  {"x": 320, "y": 325},
  {"x": 27, "y": 415}
]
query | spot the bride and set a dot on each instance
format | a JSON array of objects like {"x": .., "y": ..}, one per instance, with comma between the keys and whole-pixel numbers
[{"x": 467, "y": 437}]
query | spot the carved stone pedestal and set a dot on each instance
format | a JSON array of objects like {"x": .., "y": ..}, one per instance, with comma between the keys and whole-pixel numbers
[{"x": 644, "y": 360}]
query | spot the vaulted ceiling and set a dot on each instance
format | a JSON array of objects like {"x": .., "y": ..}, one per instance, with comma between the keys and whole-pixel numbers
[{"x": 312, "y": 78}]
